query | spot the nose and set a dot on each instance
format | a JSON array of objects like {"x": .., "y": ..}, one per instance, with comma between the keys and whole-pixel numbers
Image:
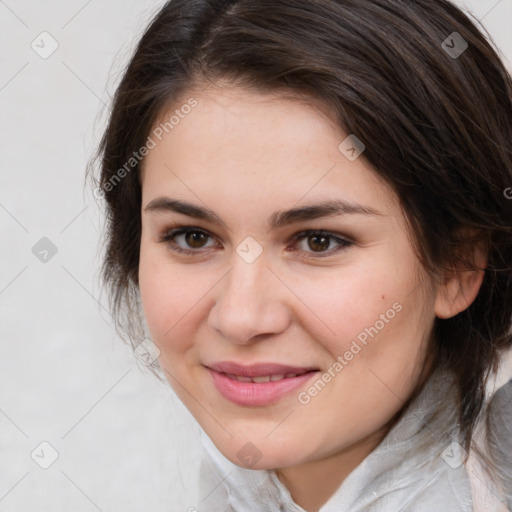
[{"x": 250, "y": 303}]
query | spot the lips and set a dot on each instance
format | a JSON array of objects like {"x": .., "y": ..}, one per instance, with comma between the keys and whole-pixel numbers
[{"x": 257, "y": 384}]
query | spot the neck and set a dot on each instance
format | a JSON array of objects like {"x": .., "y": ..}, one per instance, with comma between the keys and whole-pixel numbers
[{"x": 312, "y": 484}]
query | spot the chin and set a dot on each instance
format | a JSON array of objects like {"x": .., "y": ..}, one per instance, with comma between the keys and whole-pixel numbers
[{"x": 260, "y": 454}]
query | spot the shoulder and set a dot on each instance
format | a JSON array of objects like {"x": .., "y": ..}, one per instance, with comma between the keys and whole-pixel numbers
[
  {"x": 499, "y": 437},
  {"x": 490, "y": 463}
]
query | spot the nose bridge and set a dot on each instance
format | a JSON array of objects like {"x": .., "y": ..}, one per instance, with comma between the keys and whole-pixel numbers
[{"x": 248, "y": 301}]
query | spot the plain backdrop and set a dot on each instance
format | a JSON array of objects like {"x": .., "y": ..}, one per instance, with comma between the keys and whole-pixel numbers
[{"x": 121, "y": 440}]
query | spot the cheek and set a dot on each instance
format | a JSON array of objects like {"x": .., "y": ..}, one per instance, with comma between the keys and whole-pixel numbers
[
  {"x": 176, "y": 299},
  {"x": 375, "y": 314},
  {"x": 346, "y": 301},
  {"x": 167, "y": 294}
]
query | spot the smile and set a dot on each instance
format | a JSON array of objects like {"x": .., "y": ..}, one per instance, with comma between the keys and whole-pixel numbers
[{"x": 258, "y": 384}]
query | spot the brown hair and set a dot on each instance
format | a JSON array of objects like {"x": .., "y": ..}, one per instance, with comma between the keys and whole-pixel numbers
[{"x": 436, "y": 126}]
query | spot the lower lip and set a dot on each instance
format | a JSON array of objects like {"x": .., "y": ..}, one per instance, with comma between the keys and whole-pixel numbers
[{"x": 256, "y": 394}]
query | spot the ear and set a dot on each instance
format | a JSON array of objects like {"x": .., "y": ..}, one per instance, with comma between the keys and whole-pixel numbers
[{"x": 460, "y": 284}]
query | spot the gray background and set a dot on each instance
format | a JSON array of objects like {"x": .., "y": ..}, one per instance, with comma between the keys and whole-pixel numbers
[{"x": 124, "y": 441}]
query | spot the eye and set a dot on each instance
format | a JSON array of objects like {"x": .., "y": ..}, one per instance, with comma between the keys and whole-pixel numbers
[
  {"x": 318, "y": 243},
  {"x": 193, "y": 238}
]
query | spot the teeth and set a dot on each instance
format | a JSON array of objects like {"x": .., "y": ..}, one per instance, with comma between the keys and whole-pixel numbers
[
  {"x": 241, "y": 378},
  {"x": 262, "y": 378}
]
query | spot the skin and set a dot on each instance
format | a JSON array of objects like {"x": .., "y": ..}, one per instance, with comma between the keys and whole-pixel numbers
[{"x": 245, "y": 155}]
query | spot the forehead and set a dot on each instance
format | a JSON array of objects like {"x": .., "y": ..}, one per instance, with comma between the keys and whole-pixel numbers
[{"x": 237, "y": 143}]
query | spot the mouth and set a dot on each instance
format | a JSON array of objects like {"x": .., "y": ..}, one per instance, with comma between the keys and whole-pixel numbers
[
  {"x": 257, "y": 384},
  {"x": 263, "y": 378}
]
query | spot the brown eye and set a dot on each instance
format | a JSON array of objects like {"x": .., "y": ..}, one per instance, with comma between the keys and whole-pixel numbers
[
  {"x": 321, "y": 243},
  {"x": 190, "y": 241},
  {"x": 186, "y": 240},
  {"x": 318, "y": 242},
  {"x": 195, "y": 239}
]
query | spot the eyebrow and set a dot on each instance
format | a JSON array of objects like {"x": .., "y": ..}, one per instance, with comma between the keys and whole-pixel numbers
[{"x": 276, "y": 220}]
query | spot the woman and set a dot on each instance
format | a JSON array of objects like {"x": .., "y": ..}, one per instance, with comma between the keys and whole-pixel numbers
[{"x": 307, "y": 217}]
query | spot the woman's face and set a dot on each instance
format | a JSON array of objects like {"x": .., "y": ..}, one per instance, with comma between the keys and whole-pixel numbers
[{"x": 274, "y": 283}]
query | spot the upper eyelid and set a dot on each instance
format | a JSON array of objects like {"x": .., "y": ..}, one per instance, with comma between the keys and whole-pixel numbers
[{"x": 183, "y": 229}]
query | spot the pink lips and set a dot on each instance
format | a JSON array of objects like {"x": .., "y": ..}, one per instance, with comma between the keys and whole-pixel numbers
[{"x": 273, "y": 381}]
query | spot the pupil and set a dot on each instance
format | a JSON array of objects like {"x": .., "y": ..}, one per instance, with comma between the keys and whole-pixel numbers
[
  {"x": 194, "y": 238},
  {"x": 323, "y": 244}
]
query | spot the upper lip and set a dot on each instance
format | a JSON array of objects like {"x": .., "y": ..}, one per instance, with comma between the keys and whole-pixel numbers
[{"x": 257, "y": 369}]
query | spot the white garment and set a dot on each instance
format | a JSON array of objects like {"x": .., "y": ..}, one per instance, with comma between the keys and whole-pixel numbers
[{"x": 416, "y": 468}]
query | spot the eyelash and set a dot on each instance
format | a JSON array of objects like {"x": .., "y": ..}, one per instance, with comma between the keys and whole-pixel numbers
[{"x": 344, "y": 243}]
